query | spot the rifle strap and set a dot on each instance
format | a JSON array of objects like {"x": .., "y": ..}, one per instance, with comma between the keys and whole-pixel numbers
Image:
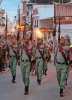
[
  {"x": 13, "y": 50},
  {"x": 63, "y": 54},
  {"x": 26, "y": 50},
  {"x": 39, "y": 51}
]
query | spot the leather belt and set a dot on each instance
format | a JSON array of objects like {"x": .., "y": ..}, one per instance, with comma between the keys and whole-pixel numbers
[
  {"x": 61, "y": 63},
  {"x": 25, "y": 61},
  {"x": 12, "y": 56},
  {"x": 38, "y": 57}
]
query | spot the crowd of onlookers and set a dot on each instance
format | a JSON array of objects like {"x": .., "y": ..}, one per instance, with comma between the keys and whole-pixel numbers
[{"x": 4, "y": 62}]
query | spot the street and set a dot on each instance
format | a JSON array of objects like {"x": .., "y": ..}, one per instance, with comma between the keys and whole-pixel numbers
[{"x": 48, "y": 90}]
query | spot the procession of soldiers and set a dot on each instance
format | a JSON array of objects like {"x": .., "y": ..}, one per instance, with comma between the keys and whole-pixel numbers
[{"x": 34, "y": 57}]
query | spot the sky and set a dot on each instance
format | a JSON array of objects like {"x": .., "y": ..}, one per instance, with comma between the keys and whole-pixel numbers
[{"x": 11, "y": 7}]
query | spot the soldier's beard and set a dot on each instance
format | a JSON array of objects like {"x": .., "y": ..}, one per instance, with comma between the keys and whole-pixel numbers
[
  {"x": 62, "y": 44},
  {"x": 39, "y": 43},
  {"x": 26, "y": 42}
]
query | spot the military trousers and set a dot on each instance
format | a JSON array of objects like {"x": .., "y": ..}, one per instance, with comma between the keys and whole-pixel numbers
[
  {"x": 61, "y": 70},
  {"x": 45, "y": 67},
  {"x": 67, "y": 74},
  {"x": 13, "y": 63},
  {"x": 25, "y": 70},
  {"x": 39, "y": 68}
]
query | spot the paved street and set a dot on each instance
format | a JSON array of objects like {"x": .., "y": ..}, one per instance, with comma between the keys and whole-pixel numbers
[{"x": 48, "y": 90}]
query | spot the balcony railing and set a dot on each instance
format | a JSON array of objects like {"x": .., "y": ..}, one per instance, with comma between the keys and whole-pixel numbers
[
  {"x": 2, "y": 24},
  {"x": 3, "y": 17}
]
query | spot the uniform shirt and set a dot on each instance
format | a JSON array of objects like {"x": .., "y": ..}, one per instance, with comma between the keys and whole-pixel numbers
[
  {"x": 24, "y": 55},
  {"x": 11, "y": 53},
  {"x": 41, "y": 48},
  {"x": 59, "y": 56}
]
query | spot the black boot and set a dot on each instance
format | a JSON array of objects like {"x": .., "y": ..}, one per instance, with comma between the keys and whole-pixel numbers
[
  {"x": 45, "y": 72},
  {"x": 13, "y": 80},
  {"x": 66, "y": 81},
  {"x": 26, "y": 90},
  {"x": 39, "y": 82},
  {"x": 61, "y": 92}
]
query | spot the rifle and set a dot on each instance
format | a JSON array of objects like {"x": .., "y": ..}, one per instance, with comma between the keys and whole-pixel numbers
[
  {"x": 54, "y": 30},
  {"x": 59, "y": 30}
]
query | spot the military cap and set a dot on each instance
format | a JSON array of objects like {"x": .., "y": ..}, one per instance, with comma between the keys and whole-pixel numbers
[
  {"x": 70, "y": 46},
  {"x": 62, "y": 38}
]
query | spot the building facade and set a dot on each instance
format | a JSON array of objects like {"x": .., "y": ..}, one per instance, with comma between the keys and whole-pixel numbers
[
  {"x": 42, "y": 19},
  {"x": 2, "y": 21}
]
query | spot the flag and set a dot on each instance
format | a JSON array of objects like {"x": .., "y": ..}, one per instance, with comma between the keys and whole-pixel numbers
[{"x": 0, "y": 2}]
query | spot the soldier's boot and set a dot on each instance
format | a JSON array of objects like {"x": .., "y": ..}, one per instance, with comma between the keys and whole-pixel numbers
[
  {"x": 39, "y": 82},
  {"x": 14, "y": 79},
  {"x": 45, "y": 72},
  {"x": 61, "y": 92},
  {"x": 66, "y": 81},
  {"x": 26, "y": 90},
  {"x": 37, "y": 79}
]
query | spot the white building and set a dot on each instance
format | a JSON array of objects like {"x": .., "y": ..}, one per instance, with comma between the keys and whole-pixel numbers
[
  {"x": 42, "y": 17},
  {"x": 2, "y": 21}
]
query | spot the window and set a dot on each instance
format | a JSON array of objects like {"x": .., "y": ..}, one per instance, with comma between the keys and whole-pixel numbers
[{"x": 37, "y": 23}]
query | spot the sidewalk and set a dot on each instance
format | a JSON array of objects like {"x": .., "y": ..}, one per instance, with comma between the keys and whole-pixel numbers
[{"x": 48, "y": 90}]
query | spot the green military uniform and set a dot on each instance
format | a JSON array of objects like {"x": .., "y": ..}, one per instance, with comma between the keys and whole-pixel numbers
[
  {"x": 39, "y": 63},
  {"x": 25, "y": 65},
  {"x": 61, "y": 67},
  {"x": 13, "y": 49},
  {"x": 13, "y": 60}
]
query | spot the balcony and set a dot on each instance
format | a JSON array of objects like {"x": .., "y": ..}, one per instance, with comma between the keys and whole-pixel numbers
[
  {"x": 3, "y": 17},
  {"x": 3, "y": 24}
]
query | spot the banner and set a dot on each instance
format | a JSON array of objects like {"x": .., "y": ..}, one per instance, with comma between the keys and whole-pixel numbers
[{"x": 64, "y": 10}]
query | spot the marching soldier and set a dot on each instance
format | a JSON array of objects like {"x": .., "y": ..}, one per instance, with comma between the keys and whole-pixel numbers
[
  {"x": 39, "y": 60},
  {"x": 71, "y": 56},
  {"x": 13, "y": 50},
  {"x": 46, "y": 59},
  {"x": 61, "y": 62},
  {"x": 25, "y": 63},
  {"x": 67, "y": 43}
]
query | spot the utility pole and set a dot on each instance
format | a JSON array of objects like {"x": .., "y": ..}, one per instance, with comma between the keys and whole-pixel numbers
[
  {"x": 31, "y": 27},
  {"x": 6, "y": 26},
  {"x": 18, "y": 34},
  {"x": 18, "y": 16}
]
